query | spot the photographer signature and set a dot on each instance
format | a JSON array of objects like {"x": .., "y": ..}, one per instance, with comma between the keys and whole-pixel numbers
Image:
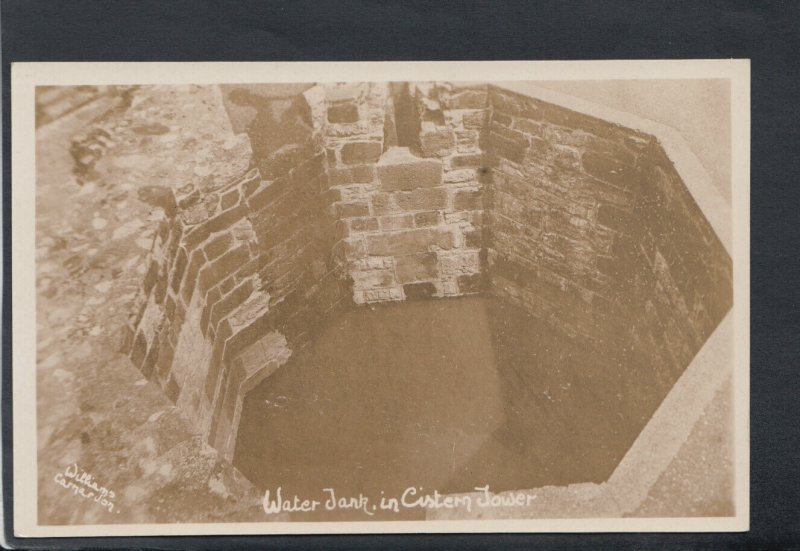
[{"x": 83, "y": 484}]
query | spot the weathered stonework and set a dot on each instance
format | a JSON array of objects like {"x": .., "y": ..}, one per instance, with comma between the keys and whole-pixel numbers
[
  {"x": 232, "y": 274},
  {"x": 410, "y": 222},
  {"x": 369, "y": 192},
  {"x": 591, "y": 227}
]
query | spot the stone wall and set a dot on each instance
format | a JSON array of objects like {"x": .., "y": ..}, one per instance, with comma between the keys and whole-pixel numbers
[
  {"x": 370, "y": 192},
  {"x": 561, "y": 184},
  {"x": 590, "y": 227},
  {"x": 405, "y": 169},
  {"x": 238, "y": 277},
  {"x": 682, "y": 283}
]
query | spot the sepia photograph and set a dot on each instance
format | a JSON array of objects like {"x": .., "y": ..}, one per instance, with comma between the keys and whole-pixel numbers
[{"x": 428, "y": 297}]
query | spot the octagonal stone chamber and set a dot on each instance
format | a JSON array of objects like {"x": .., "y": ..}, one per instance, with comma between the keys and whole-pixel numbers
[{"x": 437, "y": 285}]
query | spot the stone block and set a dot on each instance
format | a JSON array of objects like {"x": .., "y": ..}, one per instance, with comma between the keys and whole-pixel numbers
[
  {"x": 348, "y": 210},
  {"x": 436, "y": 141},
  {"x": 218, "y": 245},
  {"x": 429, "y": 218},
  {"x": 195, "y": 213},
  {"x": 169, "y": 308},
  {"x": 419, "y": 291},
  {"x": 341, "y": 229},
  {"x": 567, "y": 157},
  {"x": 500, "y": 118},
  {"x": 212, "y": 376},
  {"x": 513, "y": 151},
  {"x": 382, "y": 203},
  {"x": 230, "y": 302},
  {"x": 468, "y": 200},
  {"x": 222, "y": 267},
  {"x": 196, "y": 261},
  {"x": 213, "y": 225},
  {"x": 397, "y": 222},
  {"x": 433, "y": 114},
  {"x": 252, "y": 317},
  {"x": 366, "y": 224},
  {"x": 474, "y": 119},
  {"x": 330, "y": 155},
  {"x": 472, "y": 283},
  {"x": 227, "y": 285},
  {"x": 473, "y": 239},
  {"x": 211, "y": 298},
  {"x": 356, "y": 174},
  {"x": 151, "y": 277},
  {"x": 416, "y": 267},
  {"x": 379, "y": 295},
  {"x": 421, "y": 199},
  {"x": 468, "y": 141},
  {"x": 398, "y": 170},
  {"x": 409, "y": 242},
  {"x": 229, "y": 199},
  {"x": 377, "y": 262},
  {"x": 356, "y": 153},
  {"x": 468, "y": 99},
  {"x": 460, "y": 175},
  {"x": 343, "y": 113},
  {"x": 181, "y": 261},
  {"x": 510, "y": 134},
  {"x": 459, "y": 262},
  {"x": 528, "y": 126},
  {"x": 160, "y": 291},
  {"x": 467, "y": 161},
  {"x": 372, "y": 279},
  {"x": 343, "y": 92}
]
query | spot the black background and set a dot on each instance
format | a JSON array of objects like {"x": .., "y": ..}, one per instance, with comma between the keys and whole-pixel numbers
[{"x": 765, "y": 32}]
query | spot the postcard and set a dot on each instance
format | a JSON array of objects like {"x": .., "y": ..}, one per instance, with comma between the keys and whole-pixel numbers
[{"x": 293, "y": 298}]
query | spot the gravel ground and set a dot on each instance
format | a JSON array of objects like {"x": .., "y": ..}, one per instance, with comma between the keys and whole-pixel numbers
[{"x": 93, "y": 231}]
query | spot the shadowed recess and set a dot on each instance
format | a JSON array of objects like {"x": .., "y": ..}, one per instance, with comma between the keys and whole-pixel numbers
[{"x": 447, "y": 395}]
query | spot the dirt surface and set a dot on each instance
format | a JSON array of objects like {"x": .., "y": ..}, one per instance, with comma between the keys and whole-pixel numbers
[
  {"x": 448, "y": 394},
  {"x": 95, "y": 412}
]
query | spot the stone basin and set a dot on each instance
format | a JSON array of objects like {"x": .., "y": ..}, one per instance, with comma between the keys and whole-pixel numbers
[{"x": 447, "y": 395}]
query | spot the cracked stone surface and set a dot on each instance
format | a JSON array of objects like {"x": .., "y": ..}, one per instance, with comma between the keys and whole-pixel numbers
[{"x": 93, "y": 230}]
